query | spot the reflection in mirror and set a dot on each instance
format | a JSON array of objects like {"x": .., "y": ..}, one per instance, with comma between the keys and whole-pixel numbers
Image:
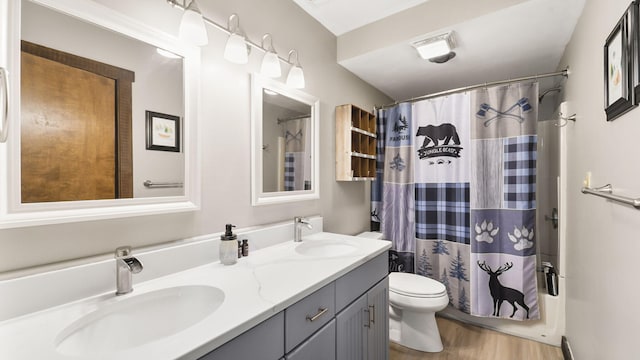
[
  {"x": 84, "y": 93},
  {"x": 79, "y": 57},
  {"x": 284, "y": 127},
  {"x": 286, "y": 131}
]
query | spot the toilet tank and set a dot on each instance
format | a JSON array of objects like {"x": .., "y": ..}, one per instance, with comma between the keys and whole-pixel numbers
[{"x": 371, "y": 235}]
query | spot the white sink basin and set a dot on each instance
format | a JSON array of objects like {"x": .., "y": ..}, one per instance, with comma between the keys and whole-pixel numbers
[
  {"x": 135, "y": 320},
  {"x": 325, "y": 248}
]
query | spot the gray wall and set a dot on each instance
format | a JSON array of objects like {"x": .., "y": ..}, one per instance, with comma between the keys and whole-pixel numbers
[
  {"x": 603, "y": 241},
  {"x": 225, "y": 140}
]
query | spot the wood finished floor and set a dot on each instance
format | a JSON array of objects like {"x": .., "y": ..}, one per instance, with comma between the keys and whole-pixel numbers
[{"x": 466, "y": 342}]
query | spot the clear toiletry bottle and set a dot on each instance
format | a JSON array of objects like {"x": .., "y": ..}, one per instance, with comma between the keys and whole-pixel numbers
[{"x": 229, "y": 246}]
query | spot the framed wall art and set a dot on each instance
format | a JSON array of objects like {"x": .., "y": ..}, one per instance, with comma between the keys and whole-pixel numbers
[
  {"x": 619, "y": 58},
  {"x": 163, "y": 131},
  {"x": 635, "y": 52}
]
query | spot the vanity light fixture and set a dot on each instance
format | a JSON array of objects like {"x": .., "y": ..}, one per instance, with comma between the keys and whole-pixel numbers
[
  {"x": 270, "y": 62},
  {"x": 236, "y": 49},
  {"x": 434, "y": 46},
  {"x": 239, "y": 46},
  {"x": 192, "y": 29},
  {"x": 295, "y": 79}
]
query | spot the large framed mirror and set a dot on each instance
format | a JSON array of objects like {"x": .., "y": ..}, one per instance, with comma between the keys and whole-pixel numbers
[
  {"x": 91, "y": 89},
  {"x": 284, "y": 143}
]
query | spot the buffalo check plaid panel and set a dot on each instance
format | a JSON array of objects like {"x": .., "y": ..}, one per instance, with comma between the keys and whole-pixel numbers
[
  {"x": 520, "y": 172},
  {"x": 442, "y": 212},
  {"x": 289, "y": 171}
]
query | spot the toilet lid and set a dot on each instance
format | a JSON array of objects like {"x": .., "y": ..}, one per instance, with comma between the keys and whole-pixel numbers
[{"x": 415, "y": 285}]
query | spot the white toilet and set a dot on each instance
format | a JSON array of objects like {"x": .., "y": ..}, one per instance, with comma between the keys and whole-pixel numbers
[{"x": 413, "y": 303}]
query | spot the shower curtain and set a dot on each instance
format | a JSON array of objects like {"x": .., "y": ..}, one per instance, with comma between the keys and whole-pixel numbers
[
  {"x": 297, "y": 167},
  {"x": 455, "y": 193}
]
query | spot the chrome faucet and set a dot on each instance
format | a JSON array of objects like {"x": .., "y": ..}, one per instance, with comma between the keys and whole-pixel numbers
[
  {"x": 125, "y": 266},
  {"x": 297, "y": 229}
]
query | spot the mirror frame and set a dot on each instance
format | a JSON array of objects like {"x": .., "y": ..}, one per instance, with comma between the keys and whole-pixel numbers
[
  {"x": 13, "y": 213},
  {"x": 258, "y": 196}
]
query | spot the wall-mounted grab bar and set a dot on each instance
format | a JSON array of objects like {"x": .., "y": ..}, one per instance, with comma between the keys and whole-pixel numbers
[
  {"x": 150, "y": 184},
  {"x": 4, "y": 123},
  {"x": 607, "y": 193}
]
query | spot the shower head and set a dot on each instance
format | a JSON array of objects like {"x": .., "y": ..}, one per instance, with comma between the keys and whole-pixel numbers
[{"x": 544, "y": 93}]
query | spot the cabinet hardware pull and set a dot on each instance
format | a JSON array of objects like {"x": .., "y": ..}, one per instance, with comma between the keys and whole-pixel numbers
[
  {"x": 372, "y": 314},
  {"x": 315, "y": 317},
  {"x": 5, "y": 100},
  {"x": 368, "y": 324}
]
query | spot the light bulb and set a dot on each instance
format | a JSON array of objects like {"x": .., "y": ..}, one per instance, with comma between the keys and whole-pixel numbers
[
  {"x": 236, "y": 50},
  {"x": 271, "y": 65},
  {"x": 295, "y": 79},
  {"x": 192, "y": 28}
]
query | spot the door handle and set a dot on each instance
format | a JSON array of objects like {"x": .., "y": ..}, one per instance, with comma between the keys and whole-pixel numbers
[
  {"x": 372, "y": 314},
  {"x": 4, "y": 124}
]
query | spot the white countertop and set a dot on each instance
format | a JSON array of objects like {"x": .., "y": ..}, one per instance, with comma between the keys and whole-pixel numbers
[{"x": 256, "y": 288}]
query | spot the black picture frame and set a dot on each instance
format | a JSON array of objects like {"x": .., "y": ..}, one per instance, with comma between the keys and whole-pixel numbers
[
  {"x": 619, "y": 60},
  {"x": 163, "y": 131},
  {"x": 635, "y": 30}
]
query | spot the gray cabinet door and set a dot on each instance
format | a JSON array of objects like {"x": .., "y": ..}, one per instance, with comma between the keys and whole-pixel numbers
[
  {"x": 378, "y": 337},
  {"x": 351, "y": 333},
  {"x": 320, "y": 346}
]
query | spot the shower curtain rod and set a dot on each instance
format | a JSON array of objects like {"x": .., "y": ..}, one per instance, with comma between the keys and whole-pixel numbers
[
  {"x": 564, "y": 73},
  {"x": 293, "y": 118}
]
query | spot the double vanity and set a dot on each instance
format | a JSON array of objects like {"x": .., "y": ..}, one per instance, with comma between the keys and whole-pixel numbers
[{"x": 326, "y": 295}]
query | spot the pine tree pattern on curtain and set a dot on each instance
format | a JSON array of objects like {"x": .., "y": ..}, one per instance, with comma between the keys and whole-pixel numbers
[
  {"x": 393, "y": 191},
  {"x": 442, "y": 160}
]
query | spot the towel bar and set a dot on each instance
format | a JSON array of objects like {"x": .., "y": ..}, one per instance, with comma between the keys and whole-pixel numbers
[
  {"x": 150, "y": 184},
  {"x": 607, "y": 193}
]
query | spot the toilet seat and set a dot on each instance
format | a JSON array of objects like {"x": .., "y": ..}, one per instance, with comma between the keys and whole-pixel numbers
[{"x": 416, "y": 286}]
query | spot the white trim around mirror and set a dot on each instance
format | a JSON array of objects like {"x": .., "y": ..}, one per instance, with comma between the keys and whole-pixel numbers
[
  {"x": 258, "y": 196},
  {"x": 15, "y": 214}
]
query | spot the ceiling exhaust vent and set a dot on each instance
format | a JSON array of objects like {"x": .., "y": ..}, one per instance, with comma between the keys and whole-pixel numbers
[{"x": 435, "y": 47}]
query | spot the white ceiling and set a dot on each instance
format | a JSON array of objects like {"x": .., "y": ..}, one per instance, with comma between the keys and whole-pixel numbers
[
  {"x": 342, "y": 16},
  {"x": 515, "y": 38}
]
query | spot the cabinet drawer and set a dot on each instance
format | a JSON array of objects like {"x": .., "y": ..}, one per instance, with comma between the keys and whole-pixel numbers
[
  {"x": 350, "y": 286},
  {"x": 308, "y": 315},
  {"x": 321, "y": 346},
  {"x": 265, "y": 341}
]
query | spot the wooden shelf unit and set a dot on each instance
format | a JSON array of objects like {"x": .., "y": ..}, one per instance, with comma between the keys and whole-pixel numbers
[{"x": 355, "y": 144}]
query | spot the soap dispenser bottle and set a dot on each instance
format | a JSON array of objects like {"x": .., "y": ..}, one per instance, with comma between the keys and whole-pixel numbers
[{"x": 228, "y": 246}]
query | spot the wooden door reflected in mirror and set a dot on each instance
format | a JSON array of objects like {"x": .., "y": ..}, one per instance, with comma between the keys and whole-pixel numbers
[{"x": 75, "y": 127}]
